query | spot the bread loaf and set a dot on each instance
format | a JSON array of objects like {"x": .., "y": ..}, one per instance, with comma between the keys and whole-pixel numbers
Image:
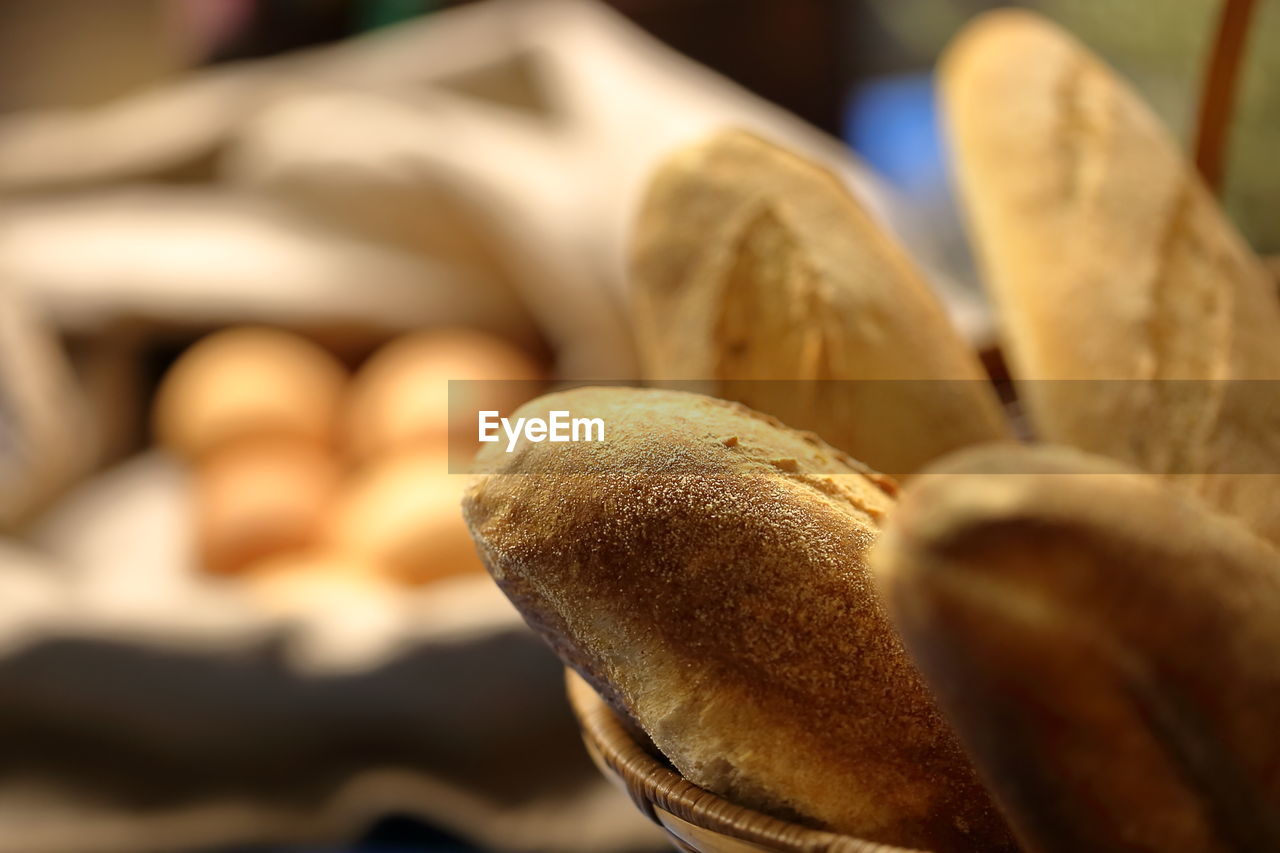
[
  {"x": 704, "y": 568},
  {"x": 756, "y": 271},
  {"x": 1112, "y": 264},
  {"x": 1105, "y": 645}
]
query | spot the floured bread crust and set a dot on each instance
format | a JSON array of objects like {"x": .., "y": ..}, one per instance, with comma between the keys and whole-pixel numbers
[{"x": 704, "y": 568}]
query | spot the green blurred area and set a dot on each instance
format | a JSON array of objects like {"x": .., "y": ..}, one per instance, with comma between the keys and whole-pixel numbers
[{"x": 374, "y": 14}]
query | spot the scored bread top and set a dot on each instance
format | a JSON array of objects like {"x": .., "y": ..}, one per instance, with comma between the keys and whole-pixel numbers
[
  {"x": 752, "y": 263},
  {"x": 1113, "y": 266}
]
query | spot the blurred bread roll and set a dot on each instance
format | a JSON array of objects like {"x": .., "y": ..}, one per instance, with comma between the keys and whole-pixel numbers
[
  {"x": 248, "y": 383},
  {"x": 402, "y": 513},
  {"x": 400, "y": 398},
  {"x": 704, "y": 568},
  {"x": 256, "y": 499},
  {"x": 1113, "y": 266}
]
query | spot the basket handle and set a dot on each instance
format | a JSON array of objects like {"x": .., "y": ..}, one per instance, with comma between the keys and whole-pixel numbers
[{"x": 1219, "y": 89}]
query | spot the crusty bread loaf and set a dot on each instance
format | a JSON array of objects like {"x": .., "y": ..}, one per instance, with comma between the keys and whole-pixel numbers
[
  {"x": 750, "y": 263},
  {"x": 703, "y": 567},
  {"x": 1111, "y": 263},
  {"x": 1105, "y": 645}
]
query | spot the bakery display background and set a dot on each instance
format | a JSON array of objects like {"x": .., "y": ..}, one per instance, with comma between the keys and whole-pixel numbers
[{"x": 244, "y": 619}]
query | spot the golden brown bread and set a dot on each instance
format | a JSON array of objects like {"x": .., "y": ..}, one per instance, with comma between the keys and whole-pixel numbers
[
  {"x": 248, "y": 382},
  {"x": 399, "y": 401},
  {"x": 260, "y": 498},
  {"x": 751, "y": 263},
  {"x": 703, "y": 567},
  {"x": 1111, "y": 263},
  {"x": 1105, "y": 645},
  {"x": 401, "y": 514}
]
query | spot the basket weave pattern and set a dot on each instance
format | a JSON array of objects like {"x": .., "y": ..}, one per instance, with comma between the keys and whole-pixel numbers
[{"x": 696, "y": 820}]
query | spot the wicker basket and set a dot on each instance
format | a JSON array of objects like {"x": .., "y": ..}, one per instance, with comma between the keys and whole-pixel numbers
[{"x": 696, "y": 820}]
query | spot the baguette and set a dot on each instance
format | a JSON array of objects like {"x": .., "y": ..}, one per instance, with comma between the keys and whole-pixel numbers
[
  {"x": 1111, "y": 263},
  {"x": 757, "y": 272},
  {"x": 1105, "y": 645},
  {"x": 704, "y": 569}
]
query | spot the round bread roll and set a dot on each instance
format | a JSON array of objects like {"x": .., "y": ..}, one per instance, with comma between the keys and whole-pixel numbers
[
  {"x": 248, "y": 382},
  {"x": 255, "y": 499},
  {"x": 704, "y": 567},
  {"x": 402, "y": 514},
  {"x": 400, "y": 398}
]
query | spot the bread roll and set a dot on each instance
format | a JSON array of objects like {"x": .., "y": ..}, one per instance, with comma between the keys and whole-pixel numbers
[
  {"x": 308, "y": 582},
  {"x": 248, "y": 383},
  {"x": 1111, "y": 263},
  {"x": 399, "y": 400},
  {"x": 1108, "y": 648},
  {"x": 703, "y": 567},
  {"x": 257, "y": 499},
  {"x": 750, "y": 263},
  {"x": 401, "y": 514}
]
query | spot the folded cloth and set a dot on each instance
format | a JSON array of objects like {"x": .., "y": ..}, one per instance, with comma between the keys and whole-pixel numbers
[{"x": 513, "y": 135}]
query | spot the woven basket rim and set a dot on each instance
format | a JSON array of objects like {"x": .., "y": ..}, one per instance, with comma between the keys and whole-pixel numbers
[{"x": 652, "y": 784}]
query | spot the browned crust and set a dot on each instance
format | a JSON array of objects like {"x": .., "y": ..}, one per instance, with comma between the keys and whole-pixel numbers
[{"x": 705, "y": 569}]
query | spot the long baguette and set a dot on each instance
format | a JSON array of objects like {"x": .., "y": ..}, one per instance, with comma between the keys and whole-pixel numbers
[{"x": 1136, "y": 318}]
